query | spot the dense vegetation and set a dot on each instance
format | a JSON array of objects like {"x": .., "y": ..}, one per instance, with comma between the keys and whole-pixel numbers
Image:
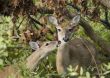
[{"x": 25, "y": 20}]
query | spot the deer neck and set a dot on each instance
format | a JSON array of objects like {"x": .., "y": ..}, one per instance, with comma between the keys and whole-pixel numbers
[{"x": 62, "y": 52}]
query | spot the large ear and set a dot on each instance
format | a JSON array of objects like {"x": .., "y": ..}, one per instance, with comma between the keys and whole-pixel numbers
[
  {"x": 53, "y": 20},
  {"x": 75, "y": 20},
  {"x": 33, "y": 45}
]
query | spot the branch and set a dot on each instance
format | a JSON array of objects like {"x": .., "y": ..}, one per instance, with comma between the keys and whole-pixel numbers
[
  {"x": 44, "y": 10},
  {"x": 36, "y": 21},
  {"x": 106, "y": 3},
  {"x": 95, "y": 37}
]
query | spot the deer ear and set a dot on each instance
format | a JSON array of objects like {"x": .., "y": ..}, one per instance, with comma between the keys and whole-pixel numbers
[
  {"x": 53, "y": 20},
  {"x": 75, "y": 20}
]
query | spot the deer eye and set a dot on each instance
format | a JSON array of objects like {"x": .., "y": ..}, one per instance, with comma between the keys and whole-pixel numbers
[
  {"x": 59, "y": 42},
  {"x": 46, "y": 44},
  {"x": 59, "y": 30},
  {"x": 70, "y": 30}
]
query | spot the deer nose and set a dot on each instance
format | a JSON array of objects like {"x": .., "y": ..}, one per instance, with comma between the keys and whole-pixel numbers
[{"x": 66, "y": 39}]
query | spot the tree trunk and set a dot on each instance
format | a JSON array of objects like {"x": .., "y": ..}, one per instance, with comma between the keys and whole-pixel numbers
[
  {"x": 95, "y": 37},
  {"x": 106, "y": 3}
]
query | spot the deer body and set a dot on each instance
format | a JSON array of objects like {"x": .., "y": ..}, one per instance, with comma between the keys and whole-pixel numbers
[
  {"x": 75, "y": 52},
  {"x": 72, "y": 52}
]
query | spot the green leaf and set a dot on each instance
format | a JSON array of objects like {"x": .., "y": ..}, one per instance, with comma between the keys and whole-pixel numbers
[
  {"x": 1, "y": 62},
  {"x": 70, "y": 69},
  {"x": 73, "y": 74},
  {"x": 5, "y": 54},
  {"x": 76, "y": 68},
  {"x": 102, "y": 77},
  {"x": 87, "y": 75},
  {"x": 106, "y": 72},
  {"x": 81, "y": 71},
  {"x": 49, "y": 36}
]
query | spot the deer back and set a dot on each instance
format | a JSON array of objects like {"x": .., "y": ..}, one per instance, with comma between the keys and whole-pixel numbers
[{"x": 81, "y": 52}]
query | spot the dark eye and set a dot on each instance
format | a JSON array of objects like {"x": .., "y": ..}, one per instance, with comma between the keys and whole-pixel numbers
[
  {"x": 70, "y": 30},
  {"x": 46, "y": 44},
  {"x": 59, "y": 42},
  {"x": 59, "y": 29}
]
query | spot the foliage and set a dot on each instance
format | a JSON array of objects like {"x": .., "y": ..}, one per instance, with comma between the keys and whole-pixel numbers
[{"x": 14, "y": 50}]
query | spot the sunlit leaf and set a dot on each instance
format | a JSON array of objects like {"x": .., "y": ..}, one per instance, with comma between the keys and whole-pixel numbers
[
  {"x": 73, "y": 74},
  {"x": 81, "y": 71},
  {"x": 102, "y": 77},
  {"x": 1, "y": 62},
  {"x": 88, "y": 75}
]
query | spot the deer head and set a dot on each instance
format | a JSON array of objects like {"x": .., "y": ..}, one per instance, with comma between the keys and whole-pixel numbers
[
  {"x": 40, "y": 53},
  {"x": 64, "y": 35}
]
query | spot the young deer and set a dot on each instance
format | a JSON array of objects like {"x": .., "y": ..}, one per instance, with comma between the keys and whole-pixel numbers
[
  {"x": 31, "y": 62},
  {"x": 72, "y": 52}
]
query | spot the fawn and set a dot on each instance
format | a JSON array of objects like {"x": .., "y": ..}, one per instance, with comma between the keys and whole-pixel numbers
[
  {"x": 31, "y": 62},
  {"x": 78, "y": 51}
]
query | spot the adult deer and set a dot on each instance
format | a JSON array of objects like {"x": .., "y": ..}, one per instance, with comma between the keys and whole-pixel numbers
[{"x": 78, "y": 51}]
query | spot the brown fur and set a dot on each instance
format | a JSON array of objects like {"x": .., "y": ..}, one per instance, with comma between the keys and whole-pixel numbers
[
  {"x": 9, "y": 71},
  {"x": 75, "y": 52}
]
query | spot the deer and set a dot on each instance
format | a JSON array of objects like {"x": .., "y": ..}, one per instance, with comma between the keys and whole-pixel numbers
[
  {"x": 69, "y": 52},
  {"x": 77, "y": 51},
  {"x": 31, "y": 61},
  {"x": 10, "y": 72}
]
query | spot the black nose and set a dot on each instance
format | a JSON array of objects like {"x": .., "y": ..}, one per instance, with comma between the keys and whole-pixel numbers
[{"x": 66, "y": 39}]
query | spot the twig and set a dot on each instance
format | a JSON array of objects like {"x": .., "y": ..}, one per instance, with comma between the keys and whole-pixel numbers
[
  {"x": 20, "y": 23},
  {"x": 92, "y": 57},
  {"x": 36, "y": 21}
]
